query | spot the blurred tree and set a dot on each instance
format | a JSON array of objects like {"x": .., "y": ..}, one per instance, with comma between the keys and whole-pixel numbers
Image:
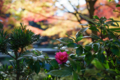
[
  {"x": 101, "y": 8},
  {"x": 28, "y": 10},
  {"x": 106, "y": 9},
  {"x": 41, "y": 14}
]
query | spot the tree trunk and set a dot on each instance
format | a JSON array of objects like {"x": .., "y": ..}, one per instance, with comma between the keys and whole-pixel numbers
[
  {"x": 91, "y": 9},
  {"x": 18, "y": 70},
  {"x": 18, "y": 66}
]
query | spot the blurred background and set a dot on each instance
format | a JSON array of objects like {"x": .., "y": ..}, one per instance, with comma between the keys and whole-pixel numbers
[{"x": 53, "y": 19}]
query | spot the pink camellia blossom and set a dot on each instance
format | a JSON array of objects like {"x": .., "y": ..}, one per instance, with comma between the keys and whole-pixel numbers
[{"x": 61, "y": 57}]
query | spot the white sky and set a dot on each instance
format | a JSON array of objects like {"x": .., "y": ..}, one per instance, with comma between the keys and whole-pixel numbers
[{"x": 68, "y": 6}]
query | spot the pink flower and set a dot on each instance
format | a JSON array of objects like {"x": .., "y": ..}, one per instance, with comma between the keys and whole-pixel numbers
[{"x": 61, "y": 57}]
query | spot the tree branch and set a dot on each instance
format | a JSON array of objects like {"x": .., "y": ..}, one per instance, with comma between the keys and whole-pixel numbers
[
  {"x": 76, "y": 14},
  {"x": 10, "y": 55},
  {"x": 50, "y": 17}
]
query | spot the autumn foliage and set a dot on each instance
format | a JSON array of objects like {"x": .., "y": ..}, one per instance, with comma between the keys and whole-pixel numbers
[{"x": 43, "y": 13}]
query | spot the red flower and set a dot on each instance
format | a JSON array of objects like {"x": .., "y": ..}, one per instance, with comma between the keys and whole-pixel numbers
[{"x": 61, "y": 57}]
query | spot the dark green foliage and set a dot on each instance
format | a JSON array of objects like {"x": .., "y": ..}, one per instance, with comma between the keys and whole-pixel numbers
[
  {"x": 17, "y": 40},
  {"x": 54, "y": 63},
  {"x": 99, "y": 60},
  {"x": 3, "y": 41},
  {"x": 79, "y": 50},
  {"x": 61, "y": 73},
  {"x": 21, "y": 38}
]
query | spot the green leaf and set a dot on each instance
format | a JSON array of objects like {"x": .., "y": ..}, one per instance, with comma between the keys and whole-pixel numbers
[
  {"x": 102, "y": 20},
  {"x": 95, "y": 47},
  {"x": 87, "y": 18},
  {"x": 112, "y": 24},
  {"x": 9, "y": 67},
  {"x": 21, "y": 24},
  {"x": 117, "y": 31},
  {"x": 78, "y": 66},
  {"x": 114, "y": 29},
  {"x": 94, "y": 79},
  {"x": 93, "y": 28},
  {"x": 106, "y": 65},
  {"x": 115, "y": 50},
  {"x": 78, "y": 34},
  {"x": 79, "y": 50},
  {"x": 72, "y": 45},
  {"x": 118, "y": 61},
  {"x": 75, "y": 76},
  {"x": 90, "y": 72},
  {"x": 96, "y": 17},
  {"x": 83, "y": 30},
  {"x": 73, "y": 63},
  {"x": 97, "y": 64},
  {"x": 30, "y": 64},
  {"x": 54, "y": 63},
  {"x": 36, "y": 67},
  {"x": 79, "y": 38},
  {"x": 61, "y": 73},
  {"x": 65, "y": 40},
  {"x": 88, "y": 47},
  {"x": 111, "y": 34},
  {"x": 101, "y": 57},
  {"x": 95, "y": 36},
  {"x": 89, "y": 57},
  {"x": 111, "y": 71},
  {"x": 1, "y": 25},
  {"x": 118, "y": 5}
]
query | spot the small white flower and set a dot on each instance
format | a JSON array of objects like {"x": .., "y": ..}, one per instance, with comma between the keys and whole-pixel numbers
[{"x": 34, "y": 58}]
